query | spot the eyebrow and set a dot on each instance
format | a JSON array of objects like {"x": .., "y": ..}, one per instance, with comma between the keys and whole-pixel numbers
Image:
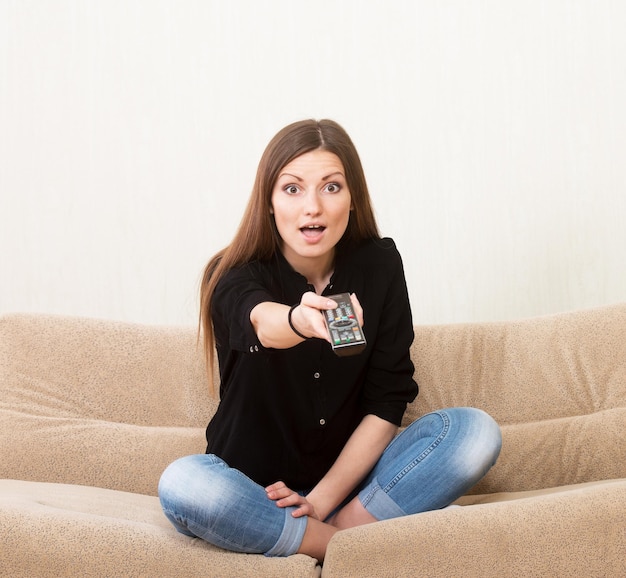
[
  {"x": 327, "y": 177},
  {"x": 333, "y": 174}
]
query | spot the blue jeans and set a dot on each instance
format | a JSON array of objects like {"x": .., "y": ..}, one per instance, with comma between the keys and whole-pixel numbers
[{"x": 437, "y": 459}]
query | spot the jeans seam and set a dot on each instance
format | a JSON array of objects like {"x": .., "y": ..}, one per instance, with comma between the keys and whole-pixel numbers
[
  {"x": 422, "y": 456},
  {"x": 184, "y": 524},
  {"x": 365, "y": 500}
]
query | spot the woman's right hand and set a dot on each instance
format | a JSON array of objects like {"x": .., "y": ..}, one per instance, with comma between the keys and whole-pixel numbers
[
  {"x": 307, "y": 318},
  {"x": 269, "y": 320}
]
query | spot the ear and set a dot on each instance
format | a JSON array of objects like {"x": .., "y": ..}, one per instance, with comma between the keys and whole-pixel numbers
[{"x": 271, "y": 210}]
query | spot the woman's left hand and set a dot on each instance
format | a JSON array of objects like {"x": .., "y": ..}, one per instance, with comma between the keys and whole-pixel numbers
[{"x": 284, "y": 497}]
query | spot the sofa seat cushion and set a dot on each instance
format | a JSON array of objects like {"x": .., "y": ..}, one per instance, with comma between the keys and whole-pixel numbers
[
  {"x": 577, "y": 530},
  {"x": 69, "y": 530},
  {"x": 476, "y": 499}
]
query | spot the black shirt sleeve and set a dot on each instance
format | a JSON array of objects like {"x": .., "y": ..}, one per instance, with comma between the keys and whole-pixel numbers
[
  {"x": 389, "y": 384},
  {"x": 236, "y": 295}
]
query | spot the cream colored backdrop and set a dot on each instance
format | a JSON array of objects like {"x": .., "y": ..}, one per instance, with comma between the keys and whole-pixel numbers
[{"x": 493, "y": 134}]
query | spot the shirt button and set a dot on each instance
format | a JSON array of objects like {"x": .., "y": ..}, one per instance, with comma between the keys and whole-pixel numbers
[
  {"x": 316, "y": 375},
  {"x": 322, "y": 421},
  {"x": 251, "y": 349}
]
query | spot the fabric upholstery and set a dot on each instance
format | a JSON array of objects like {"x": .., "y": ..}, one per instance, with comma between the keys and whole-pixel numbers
[
  {"x": 555, "y": 384},
  {"x": 575, "y": 532},
  {"x": 68, "y": 530},
  {"x": 98, "y": 403},
  {"x": 92, "y": 411}
]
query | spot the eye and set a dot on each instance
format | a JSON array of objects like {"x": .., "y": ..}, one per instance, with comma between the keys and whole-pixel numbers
[
  {"x": 291, "y": 189},
  {"x": 332, "y": 188}
]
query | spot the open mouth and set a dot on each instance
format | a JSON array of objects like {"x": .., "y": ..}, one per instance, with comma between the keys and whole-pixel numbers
[{"x": 312, "y": 231}]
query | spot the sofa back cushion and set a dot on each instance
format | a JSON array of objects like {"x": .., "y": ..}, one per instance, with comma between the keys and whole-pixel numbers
[
  {"x": 111, "y": 404},
  {"x": 98, "y": 402},
  {"x": 556, "y": 385}
]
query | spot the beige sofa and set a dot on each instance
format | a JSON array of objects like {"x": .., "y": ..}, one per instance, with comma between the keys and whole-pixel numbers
[{"x": 92, "y": 411}]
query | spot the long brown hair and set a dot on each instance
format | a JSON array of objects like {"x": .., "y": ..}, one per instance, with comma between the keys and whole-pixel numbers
[{"x": 257, "y": 237}]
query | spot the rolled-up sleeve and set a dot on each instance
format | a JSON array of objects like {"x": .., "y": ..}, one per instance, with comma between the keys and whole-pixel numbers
[{"x": 236, "y": 294}]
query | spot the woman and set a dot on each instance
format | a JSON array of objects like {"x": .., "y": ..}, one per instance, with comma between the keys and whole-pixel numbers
[{"x": 304, "y": 443}]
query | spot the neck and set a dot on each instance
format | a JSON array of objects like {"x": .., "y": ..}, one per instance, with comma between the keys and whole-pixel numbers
[{"x": 316, "y": 270}]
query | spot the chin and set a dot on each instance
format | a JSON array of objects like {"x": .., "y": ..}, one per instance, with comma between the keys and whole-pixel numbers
[{"x": 314, "y": 252}]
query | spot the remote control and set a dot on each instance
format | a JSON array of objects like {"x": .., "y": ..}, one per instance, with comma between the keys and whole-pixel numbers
[{"x": 346, "y": 335}]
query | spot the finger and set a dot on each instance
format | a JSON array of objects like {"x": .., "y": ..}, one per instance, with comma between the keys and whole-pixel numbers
[
  {"x": 304, "y": 510},
  {"x": 280, "y": 494},
  {"x": 316, "y": 301},
  {"x": 291, "y": 500},
  {"x": 358, "y": 309},
  {"x": 278, "y": 491},
  {"x": 275, "y": 487}
]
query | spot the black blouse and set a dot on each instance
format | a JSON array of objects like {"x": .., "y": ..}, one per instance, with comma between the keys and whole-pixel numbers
[{"x": 286, "y": 414}]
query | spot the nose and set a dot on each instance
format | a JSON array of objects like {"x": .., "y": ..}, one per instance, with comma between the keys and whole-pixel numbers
[{"x": 312, "y": 203}]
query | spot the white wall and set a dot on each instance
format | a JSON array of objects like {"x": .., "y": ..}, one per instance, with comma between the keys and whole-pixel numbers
[{"x": 493, "y": 135}]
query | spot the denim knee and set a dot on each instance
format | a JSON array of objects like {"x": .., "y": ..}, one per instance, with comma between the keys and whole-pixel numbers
[
  {"x": 483, "y": 442},
  {"x": 434, "y": 461},
  {"x": 205, "y": 498}
]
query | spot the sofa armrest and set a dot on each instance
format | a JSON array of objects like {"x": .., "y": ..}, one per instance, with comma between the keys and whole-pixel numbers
[{"x": 569, "y": 533}]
